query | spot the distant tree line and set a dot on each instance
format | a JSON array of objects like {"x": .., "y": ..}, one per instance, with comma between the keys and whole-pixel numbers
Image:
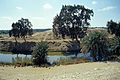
[
  {"x": 4, "y": 31},
  {"x": 40, "y": 30}
]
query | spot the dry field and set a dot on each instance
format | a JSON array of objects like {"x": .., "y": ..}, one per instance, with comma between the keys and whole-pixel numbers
[
  {"x": 46, "y": 36},
  {"x": 83, "y": 71}
]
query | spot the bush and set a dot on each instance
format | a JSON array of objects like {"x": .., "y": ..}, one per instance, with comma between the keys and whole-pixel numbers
[
  {"x": 115, "y": 46},
  {"x": 96, "y": 43},
  {"x": 39, "y": 53}
]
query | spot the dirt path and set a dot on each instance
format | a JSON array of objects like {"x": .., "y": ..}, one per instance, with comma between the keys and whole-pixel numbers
[{"x": 83, "y": 71}]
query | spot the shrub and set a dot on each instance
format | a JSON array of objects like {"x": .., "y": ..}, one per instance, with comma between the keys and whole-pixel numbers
[
  {"x": 115, "y": 46},
  {"x": 39, "y": 53},
  {"x": 95, "y": 43}
]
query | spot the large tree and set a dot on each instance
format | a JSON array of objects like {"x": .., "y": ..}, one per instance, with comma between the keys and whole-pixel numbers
[
  {"x": 21, "y": 28},
  {"x": 114, "y": 28},
  {"x": 72, "y": 21},
  {"x": 95, "y": 43}
]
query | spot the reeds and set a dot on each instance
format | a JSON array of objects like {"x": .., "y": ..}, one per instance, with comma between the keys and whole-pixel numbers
[
  {"x": 67, "y": 61},
  {"x": 19, "y": 61}
]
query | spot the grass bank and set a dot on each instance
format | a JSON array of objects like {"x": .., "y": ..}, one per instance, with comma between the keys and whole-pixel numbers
[
  {"x": 68, "y": 61},
  {"x": 49, "y": 53},
  {"x": 21, "y": 62}
]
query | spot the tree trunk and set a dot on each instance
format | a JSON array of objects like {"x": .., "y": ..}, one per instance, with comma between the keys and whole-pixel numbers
[
  {"x": 76, "y": 38},
  {"x": 76, "y": 54},
  {"x": 24, "y": 38},
  {"x": 15, "y": 41}
]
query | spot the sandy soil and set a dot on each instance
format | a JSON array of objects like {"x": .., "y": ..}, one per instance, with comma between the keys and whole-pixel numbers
[{"x": 83, "y": 71}]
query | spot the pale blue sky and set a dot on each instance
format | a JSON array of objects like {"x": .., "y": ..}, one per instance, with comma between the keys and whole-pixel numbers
[{"x": 42, "y": 12}]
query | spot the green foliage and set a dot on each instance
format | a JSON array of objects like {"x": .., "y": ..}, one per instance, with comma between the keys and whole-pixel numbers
[
  {"x": 113, "y": 28},
  {"x": 72, "y": 21},
  {"x": 39, "y": 53},
  {"x": 115, "y": 46},
  {"x": 22, "y": 28},
  {"x": 96, "y": 43},
  {"x": 114, "y": 57}
]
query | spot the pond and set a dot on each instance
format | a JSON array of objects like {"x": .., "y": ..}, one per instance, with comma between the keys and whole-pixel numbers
[{"x": 50, "y": 58}]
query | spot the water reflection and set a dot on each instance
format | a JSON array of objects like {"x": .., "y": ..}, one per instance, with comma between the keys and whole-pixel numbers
[{"x": 51, "y": 58}]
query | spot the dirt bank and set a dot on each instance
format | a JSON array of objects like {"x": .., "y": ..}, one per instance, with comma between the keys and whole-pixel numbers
[
  {"x": 27, "y": 46},
  {"x": 7, "y": 43},
  {"x": 83, "y": 71}
]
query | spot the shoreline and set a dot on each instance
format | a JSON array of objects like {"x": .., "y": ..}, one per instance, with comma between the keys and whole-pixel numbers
[{"x": 26, "y": 47}]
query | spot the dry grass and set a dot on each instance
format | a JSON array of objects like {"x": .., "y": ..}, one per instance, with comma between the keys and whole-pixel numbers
[
  {"x": 46, "y": 36},
  {"x": 101, "y": 30},
  {"x": 67, "y": 61},
  {"x": 54, "y": 44}
]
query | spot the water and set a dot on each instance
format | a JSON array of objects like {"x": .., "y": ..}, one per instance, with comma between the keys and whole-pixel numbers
[{"x": 51, "y": 58}]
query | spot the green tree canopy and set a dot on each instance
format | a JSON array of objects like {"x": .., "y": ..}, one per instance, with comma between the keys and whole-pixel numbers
[
  {"x": 21, "y": 28},
  {"x": 72, "y": 21},
  {"x": 95, "y": 43},
  {"x": 113, "y": 28}
]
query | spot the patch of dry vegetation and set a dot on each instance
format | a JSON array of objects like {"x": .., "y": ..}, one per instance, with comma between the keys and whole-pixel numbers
[
  {"x": 101, "y": 30},
  {"x": 47, "y": 36},
  {"x": 67, "y": 61}
]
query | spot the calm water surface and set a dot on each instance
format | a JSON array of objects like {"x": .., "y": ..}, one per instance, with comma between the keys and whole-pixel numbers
[{"x": 51, "y": 58}]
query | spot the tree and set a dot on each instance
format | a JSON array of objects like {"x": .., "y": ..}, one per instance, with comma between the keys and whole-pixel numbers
[
  {"x": 39, "y": 53},
  {"x": 72, "y": 21},
  {"x": 22, "y": 28},
  {"x": 14, "y": 31},
  {"x": 56, "y": 26},
  {"x": 114, "y": 28},
  {"x": 96, "y": 43}
]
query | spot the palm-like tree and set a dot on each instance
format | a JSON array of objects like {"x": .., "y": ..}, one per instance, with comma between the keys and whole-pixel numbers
[
  {"x": 39, "y": 53},
  {"x": 115, "y": 46},
  {"x": 95, "y": 43}
]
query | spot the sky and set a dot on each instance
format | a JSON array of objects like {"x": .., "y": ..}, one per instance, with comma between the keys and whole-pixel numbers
[{"x": 41, "y": 12}]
